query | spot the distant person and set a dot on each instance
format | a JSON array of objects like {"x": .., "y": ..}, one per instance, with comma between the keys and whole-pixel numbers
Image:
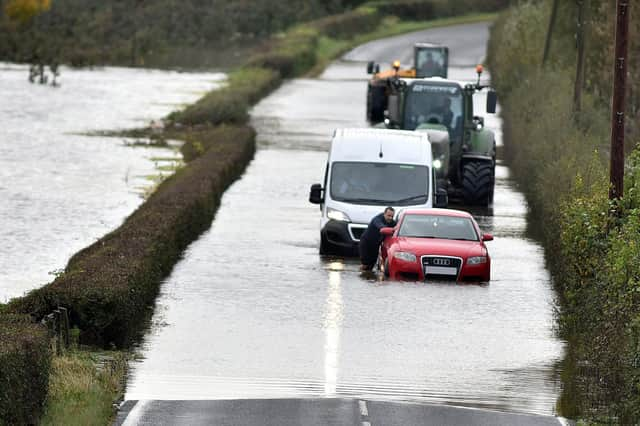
[
  {"x": 371, "y": 238},
  {"x": 447, "y": 114},
  {"x": 429, "y": 66},
  {"x": 441, "y": 113}
]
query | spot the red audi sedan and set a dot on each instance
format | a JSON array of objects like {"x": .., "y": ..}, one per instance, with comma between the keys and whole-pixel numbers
[{"x": 435, "y": 244}]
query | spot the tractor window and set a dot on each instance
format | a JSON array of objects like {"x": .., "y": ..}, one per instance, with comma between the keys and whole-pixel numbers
[
  {"x": 434, "y": 104},
  {"x": 430, "y": 63}
]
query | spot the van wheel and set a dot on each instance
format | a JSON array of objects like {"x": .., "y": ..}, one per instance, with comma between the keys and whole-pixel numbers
[{"x": 324, "y": 245}]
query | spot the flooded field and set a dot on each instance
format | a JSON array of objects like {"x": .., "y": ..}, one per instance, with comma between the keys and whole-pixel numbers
[{"x": 62, "y": 190}]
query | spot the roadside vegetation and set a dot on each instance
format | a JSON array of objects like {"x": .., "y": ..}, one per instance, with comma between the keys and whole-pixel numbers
[
  {"x": 110, "y": 287},
  {"x": 559, "y": 155},
  {"x": 83, "y": 387}
]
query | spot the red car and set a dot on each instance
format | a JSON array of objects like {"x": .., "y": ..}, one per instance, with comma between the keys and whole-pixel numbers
[{"x": 435, "y": 244}]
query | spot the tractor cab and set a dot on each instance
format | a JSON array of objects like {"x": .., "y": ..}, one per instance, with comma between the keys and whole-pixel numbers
[{"x": 430, "y": 60}]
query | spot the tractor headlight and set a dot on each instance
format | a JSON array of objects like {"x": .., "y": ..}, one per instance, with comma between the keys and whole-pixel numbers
[
  {"x": 406, "y": 256},
  {"x": 337, "y": 215},
  {"x": 437, "y": 164},
  {"x": 476, "y": 260}
]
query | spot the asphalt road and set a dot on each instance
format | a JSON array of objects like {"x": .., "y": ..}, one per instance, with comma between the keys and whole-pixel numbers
[
  {"x": 314, "y": 412},
  {"x": 254, "y": 327}
]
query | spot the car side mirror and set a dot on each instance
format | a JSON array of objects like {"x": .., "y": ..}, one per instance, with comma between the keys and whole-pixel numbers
[
  {"x": 441, "y": 198},
  {"x": 492, "y": 101},
  {"x": 387, "y": 231},
  {"x": 315, "y": 194},
  {"x": 487, "y": 237}
]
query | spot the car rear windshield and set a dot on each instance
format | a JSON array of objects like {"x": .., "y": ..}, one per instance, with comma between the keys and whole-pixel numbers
[
  {"x": 438, "y": 226},
  {"x": 379, "y": 183}
]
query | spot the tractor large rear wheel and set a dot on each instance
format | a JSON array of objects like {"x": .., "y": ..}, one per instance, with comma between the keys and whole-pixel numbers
[
  {"x": 477, "y": 183},
  {"x": 376, "y": 103}
]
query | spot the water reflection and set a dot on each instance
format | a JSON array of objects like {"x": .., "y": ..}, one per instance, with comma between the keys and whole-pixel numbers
[{"x": 332, "y": 326}]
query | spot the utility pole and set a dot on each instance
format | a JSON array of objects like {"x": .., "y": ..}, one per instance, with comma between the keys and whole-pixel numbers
[
  {"x": 579, "y": 82},
  {"x": 616, "y": 169},
  {"x": 552, "y": 24}
]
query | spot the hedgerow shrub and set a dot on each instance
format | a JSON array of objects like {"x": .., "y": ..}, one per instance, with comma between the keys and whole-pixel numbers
[
  {"x": 350, "y": 24},
  {"x": 421, "y": 10},
  {"x": 25, "y": 359},
  {"x": 229, "y": 104},
  {"x": 290, "y": 54}
]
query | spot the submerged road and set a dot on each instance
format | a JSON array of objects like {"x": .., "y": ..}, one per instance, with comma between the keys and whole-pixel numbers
[{"x": 256, "y": 320}]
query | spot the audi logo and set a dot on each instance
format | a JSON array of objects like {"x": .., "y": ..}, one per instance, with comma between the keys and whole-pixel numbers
[{"x": 441, "y": 262}]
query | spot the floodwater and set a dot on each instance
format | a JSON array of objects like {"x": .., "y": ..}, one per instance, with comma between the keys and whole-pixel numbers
[
  {"x": 61, "y": 190},
  {"x": 252, "y": 311}
]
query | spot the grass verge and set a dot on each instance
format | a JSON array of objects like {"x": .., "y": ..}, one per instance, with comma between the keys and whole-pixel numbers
[{"x": 83, "y": 387}]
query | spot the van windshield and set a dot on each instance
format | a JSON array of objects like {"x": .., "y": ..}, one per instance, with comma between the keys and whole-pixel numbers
[{"x": 379, "y": 183}]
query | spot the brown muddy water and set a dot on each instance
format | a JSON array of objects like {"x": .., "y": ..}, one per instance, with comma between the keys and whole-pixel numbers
[
  {"x": 252, "y": 311},
  {"x": 60, "y": 190}
]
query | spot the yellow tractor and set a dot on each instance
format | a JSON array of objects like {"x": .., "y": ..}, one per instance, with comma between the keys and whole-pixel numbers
[{"x": 430, "y": 60}]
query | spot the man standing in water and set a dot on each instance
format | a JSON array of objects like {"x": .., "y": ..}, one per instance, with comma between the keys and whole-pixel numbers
[{"x": 371, "y": 238}]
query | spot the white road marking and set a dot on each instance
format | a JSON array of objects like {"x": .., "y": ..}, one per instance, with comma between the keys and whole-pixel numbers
[
  {"x": 135, "y": 415},
  {"x": 363, "y": 408}
]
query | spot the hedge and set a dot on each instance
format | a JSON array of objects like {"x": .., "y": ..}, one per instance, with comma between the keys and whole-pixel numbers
[
  {"x": 25, "y": 359},
  {"x": 230, "y": 103},
  {"x": 420, "y": 10},
  {"x": 350, "y": 24}
]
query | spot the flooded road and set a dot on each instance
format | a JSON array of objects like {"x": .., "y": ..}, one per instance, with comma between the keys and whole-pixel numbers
[
  {"x": 253, "y": 311},
  {"x": 60, "y": 190}
]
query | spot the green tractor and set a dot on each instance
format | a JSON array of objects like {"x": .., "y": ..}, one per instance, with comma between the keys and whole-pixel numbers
[{"x": 464, "y": 150}]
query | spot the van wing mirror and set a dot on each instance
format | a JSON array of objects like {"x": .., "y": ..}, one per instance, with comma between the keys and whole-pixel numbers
[
  {"x": 492, "y": 101},
  {"x": 315, "y": 194}
]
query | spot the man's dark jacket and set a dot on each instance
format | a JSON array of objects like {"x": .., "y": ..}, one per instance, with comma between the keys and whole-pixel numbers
[{"x": 371, "y": 239}]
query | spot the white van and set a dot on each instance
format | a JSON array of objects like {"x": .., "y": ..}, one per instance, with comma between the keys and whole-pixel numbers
[{"x": 368, "y": 170}]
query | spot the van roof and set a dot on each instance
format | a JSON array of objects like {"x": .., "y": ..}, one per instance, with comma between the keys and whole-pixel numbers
[
  {"x": 378, "y": 133},
  {"x": 381, "y": 145}
]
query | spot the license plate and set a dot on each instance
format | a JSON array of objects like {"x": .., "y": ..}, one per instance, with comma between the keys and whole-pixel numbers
[{"x": 440, "y": 270}]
